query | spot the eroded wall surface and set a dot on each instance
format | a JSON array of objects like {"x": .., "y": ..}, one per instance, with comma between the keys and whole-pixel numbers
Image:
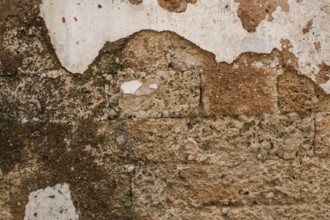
[{"x": 168, "y": 109}]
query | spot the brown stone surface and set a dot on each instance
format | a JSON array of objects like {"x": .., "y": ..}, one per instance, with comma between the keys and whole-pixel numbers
[
  {"x": 288, "y": 59},
  {"x": 157, "y": 153},
  {"x": 187, "y": 213},
  {"x": 324, "y": 74},
  {"x": 24, "y": 11},
  {"x": 298, "y": 93},
  {"x": 163, "y": 59},
  {"x": 253, "y": 183},
  {"x": 57, "y": 96},
  {"x": 301, "y": 211},
  {"x": 175, "y": 5},
  {"x": 27, "y": 49},
  {"x": 308, "y": 27},
  {"x": 223, "y": 141},
  {"x": 136, "y": 2},
  {"x": 322, "y": 135},
  {"x": 252, "y": 13},
  {"x": 247, "y": 86}
]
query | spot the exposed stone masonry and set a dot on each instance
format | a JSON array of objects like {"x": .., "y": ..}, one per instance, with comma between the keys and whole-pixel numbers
[{"x": 196, "y": 139}]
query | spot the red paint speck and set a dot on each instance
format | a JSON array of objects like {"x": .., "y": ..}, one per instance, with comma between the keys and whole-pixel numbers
[
  {"x": 63, "y": 20},
  {"x": 75, "y": 19}
]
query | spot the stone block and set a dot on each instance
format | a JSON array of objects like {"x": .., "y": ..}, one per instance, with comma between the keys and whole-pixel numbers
[
  {"x": 186, "y": 213},
  {"x": 298, "y": 93},
  {"x": 157, "y": 78},
  {"x": 248, "y": 86},
  {"x": 322, "y": 135},
  {"x": 159, "y": 94},
  {"x": 252, "y": 183},
  {"x": 196, "y": 185},
  {"x": 224, "y": 141},
  {"x": 299, "y": 211}
]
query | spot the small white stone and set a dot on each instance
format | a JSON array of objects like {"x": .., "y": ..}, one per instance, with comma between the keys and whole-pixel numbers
[
  {"x": 130, "y": 168},
  {"x": 130, "y": 87},
  {"x": 24, "y": 120},
  {"x": 153, "y": 86}
]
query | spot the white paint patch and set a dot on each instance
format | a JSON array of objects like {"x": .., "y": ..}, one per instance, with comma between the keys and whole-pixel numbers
[
  {"x": 153, "y": 86},
  {"x": 131, "y": 87},
  {"x": 210, "y": 24},
  {"x": 51, "y": 203}
]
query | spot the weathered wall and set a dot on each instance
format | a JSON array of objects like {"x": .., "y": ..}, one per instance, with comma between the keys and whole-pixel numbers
[{"x": 128, "y": 117}]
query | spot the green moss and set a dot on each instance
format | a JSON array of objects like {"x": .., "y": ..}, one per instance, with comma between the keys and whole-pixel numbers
[
  {"x": 5, "y": 116},
  {"x": 127, "y": 205}
]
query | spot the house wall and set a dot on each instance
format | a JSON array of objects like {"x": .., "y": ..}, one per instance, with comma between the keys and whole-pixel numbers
[{"x": 168, "y": 109}]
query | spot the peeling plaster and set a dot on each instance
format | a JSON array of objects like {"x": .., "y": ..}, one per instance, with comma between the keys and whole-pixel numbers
[
  {"x": 131, "y": 87},
  {"x": 51, "y": 203},
  {"x": 212, "y": 25}
]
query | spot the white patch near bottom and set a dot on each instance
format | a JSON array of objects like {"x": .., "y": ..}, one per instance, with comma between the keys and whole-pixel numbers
[{"x": 51, "y": 203}]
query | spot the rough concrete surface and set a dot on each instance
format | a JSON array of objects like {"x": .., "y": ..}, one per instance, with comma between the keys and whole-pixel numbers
[{"x": 169, "y": 109}]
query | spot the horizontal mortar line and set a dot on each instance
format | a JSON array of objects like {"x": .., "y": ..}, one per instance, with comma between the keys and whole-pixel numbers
[
  {"x": 254, "y": 206},
  {"x": 216, "y": 117},
  {"x": 255, "y": 162},
  {"x": 267, "y": 205}
]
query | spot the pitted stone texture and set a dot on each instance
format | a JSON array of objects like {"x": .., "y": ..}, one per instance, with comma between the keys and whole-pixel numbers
[
  {"x": 53, "y": 203},
  {"x": 301, "y": 211},
  {"x": 248, "y": 86},
  {"x": 196, "y": 185},
  {"x": 177, "y": 94},
  {"x": 322, "y": 135},
  {"x": 298, "y": 93},
  {"x": 223, "y": 141},
  {"x": 315, "y": 180},
  {"x": 167, "y": 68},
  {"x": 186, "y": 213},
  {"x": 27, "y": 49},
  {"x": 57, "y": 96}
]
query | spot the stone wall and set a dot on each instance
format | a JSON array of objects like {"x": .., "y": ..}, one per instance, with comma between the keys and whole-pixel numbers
[{"x": 158, "y": 128}]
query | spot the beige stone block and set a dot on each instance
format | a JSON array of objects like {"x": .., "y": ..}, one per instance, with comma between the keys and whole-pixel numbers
[
  {"x": 186, "y": 213},
  {"x": 224, "y": 141},
  {"x": 197, "y": 185},
  {"x": 159, "y": 77},
  {"x": 292, "y": 212},
  {"x": 322, "y": 135},
  {"x": 159, "y": 93},
  {"x": 252, "y": 183},
  {"x": 315, "y": 180}
]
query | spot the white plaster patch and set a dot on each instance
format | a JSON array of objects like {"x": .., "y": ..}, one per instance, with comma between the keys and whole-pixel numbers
[
  {"x": 131, "y": 87},
  {"x": 51, "y": 203},
  {"x": 210, "y": 24}
]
